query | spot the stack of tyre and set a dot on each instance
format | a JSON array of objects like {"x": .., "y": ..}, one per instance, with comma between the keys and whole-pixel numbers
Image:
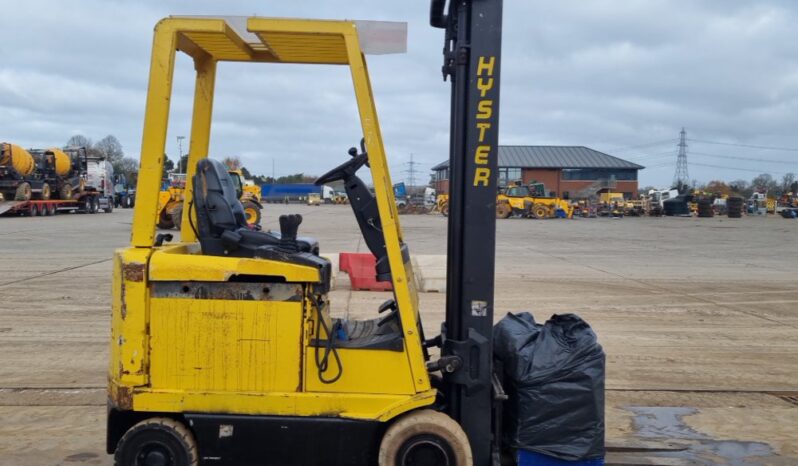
[
  {"x": 734, "y": 207},
  {"x": 677, "y": 207},
  {"x": 705, "y": 209}
]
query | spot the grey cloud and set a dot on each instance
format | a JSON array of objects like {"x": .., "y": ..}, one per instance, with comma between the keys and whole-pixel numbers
[{"x": 602, "y": 73}]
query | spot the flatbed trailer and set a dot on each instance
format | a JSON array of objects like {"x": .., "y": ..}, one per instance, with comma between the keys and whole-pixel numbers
[{"x": 89, "y": 202}]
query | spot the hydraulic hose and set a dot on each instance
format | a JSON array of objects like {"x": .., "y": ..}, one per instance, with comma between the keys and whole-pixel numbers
[{"x": 322, "y": 363}]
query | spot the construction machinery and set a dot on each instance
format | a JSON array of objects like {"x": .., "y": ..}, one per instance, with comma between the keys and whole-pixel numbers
[
  {"x": 16, "y": 167},
  {"x": 170, "y": 200},
  {"x": 530, "y": 201},
  {"x": 124, "y": 192},
  {"x": 223, "y": 349},
  {"x": 249, "y": 195},
  {"x": 48, "y": 181}
]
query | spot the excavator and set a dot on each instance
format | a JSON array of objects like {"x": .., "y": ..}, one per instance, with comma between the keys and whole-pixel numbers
[{"x": 223, "y": 349}]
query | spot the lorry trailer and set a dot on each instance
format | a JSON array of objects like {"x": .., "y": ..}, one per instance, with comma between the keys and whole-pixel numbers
[
  {"x": 86, "y": 203},
  {"x": 294, "y": 192}
]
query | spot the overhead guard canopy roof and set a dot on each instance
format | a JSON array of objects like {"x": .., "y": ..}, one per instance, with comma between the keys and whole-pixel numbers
[{"x": 281, "y": 40}]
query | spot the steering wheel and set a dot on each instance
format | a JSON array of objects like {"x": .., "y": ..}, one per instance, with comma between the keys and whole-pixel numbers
[{"x": 346, "y": 169}]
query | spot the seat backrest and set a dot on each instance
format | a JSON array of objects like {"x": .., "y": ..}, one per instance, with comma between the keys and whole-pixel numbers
[{"x": 216, "y": 205}]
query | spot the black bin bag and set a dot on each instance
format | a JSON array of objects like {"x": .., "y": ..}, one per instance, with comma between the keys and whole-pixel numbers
[{"x": 554, "y": 377}]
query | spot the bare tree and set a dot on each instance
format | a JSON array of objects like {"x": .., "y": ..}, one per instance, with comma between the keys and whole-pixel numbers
[
  {"x": 232, "y": 162},
  {"x": 110, "y": 148},
  {"x": 79, "y": 140},
  {"x": 787, "y": 182},
  {"x": 765, "y": 182}
]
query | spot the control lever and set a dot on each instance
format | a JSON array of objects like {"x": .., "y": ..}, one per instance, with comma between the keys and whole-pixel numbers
[
  {"x": 289, "y": 226},
  {"x": 387, "y": 305}
]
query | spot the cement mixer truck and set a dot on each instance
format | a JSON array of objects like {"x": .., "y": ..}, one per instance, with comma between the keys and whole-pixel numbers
[{"x": 48, "y": 181}]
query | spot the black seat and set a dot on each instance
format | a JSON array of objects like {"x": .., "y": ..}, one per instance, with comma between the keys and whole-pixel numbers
[{"x": 222, "y": 228}]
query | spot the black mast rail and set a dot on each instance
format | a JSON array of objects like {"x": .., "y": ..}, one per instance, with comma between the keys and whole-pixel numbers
[{"x": 472, "y": 57}]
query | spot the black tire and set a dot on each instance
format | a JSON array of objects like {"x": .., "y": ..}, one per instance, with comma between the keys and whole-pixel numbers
[
  {"x": 66, "y": 192},
  {"x": 110, "y": 208},
  {"x": 252, "y": 213},
  {"x": 46, "y": 192},
  {"x": 157, "y": 440},
  {"x": 86, "y": 207},
  {"x": 53, "y": 209},
  {"x": 23, "y": 192},
  {"x": 34, "y": 210},
  {"x": 165, "y": 221},
  {"x": 425, "y": 438}
]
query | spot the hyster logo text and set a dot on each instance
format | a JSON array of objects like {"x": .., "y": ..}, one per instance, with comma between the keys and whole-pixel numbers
[{"x": 484, "y": 112}]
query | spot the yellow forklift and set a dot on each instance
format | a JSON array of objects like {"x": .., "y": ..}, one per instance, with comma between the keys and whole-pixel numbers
[{"x": 223, "y": 349}]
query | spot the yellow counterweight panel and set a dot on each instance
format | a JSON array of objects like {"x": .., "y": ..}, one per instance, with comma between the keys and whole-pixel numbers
[
  {"x": 347, "y": 405},
  {"x": 365, "y": 371},
  {"x": 199, "y": 345},
  {"x": 130, "y": 314},
  {"x": 171, "y": 264}
]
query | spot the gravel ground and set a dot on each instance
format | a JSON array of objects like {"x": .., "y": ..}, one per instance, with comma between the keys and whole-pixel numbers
[{"x": 698, "y": 318}]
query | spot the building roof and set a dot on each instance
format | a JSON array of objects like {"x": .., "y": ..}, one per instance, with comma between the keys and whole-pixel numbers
[{"x": 555, "y": 157}]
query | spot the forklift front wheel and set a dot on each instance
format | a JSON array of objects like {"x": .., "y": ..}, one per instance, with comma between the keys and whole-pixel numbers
[
  {"x": 426, "y": 438},
  {"x": 157, "y": 441}
]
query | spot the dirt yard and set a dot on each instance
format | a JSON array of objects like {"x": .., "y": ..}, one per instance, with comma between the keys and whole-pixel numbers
[{"x": 699, "y": 319}]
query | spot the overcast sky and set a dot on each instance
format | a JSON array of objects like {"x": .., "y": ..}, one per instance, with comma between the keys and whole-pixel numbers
[{"x": 618, "y": 76}]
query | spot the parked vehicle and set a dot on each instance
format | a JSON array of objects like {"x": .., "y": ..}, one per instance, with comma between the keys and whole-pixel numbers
[{"x": 295, "y": 192}]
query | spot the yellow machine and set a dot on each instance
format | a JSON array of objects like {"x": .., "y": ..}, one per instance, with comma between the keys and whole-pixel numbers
[
  {"x": 225, "y": 338},
  {"x": 521, "y": 200},
  {"x": 442, "y": 204},
  {"x": 314, "y": 199},
  {"x": 249, "y": 195},
  {"x": 170, "y": 200}
]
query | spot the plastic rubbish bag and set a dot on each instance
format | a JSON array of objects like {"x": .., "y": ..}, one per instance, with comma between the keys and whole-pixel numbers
[{"x": 554, "y": 376}]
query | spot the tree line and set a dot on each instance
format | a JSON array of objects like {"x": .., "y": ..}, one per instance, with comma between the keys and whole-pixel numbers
[
  {"x": 110, "y": 149},
  {"x": 763, "y": 183}
]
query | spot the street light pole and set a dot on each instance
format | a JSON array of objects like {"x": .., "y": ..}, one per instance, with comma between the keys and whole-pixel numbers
[{"x": 180, "y": 167}]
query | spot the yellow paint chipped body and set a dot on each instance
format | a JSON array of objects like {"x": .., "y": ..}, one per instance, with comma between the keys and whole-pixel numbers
[{"x": 174, "y": 351}]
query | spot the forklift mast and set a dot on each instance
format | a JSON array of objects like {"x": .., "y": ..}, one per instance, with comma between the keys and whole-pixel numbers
[{"x": 472, "y": 57}]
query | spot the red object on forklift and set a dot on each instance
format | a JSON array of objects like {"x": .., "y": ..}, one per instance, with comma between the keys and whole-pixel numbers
[{"x": 361, "y": 270}]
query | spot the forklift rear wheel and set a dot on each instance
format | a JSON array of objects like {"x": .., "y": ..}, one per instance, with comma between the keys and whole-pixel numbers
[
  {"x": 158, "y": 441},
  {"x": 425, "y": 438}
]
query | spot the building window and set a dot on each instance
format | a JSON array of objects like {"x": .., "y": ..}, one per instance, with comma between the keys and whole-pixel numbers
[
  {"x": 442, "y": 174},
  {"x": 592, "y": 174},
  {"x": 508, "y": 175}
]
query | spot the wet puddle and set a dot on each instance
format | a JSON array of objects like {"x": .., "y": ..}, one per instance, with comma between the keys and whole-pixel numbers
[{"x": 657, "y": 423}]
